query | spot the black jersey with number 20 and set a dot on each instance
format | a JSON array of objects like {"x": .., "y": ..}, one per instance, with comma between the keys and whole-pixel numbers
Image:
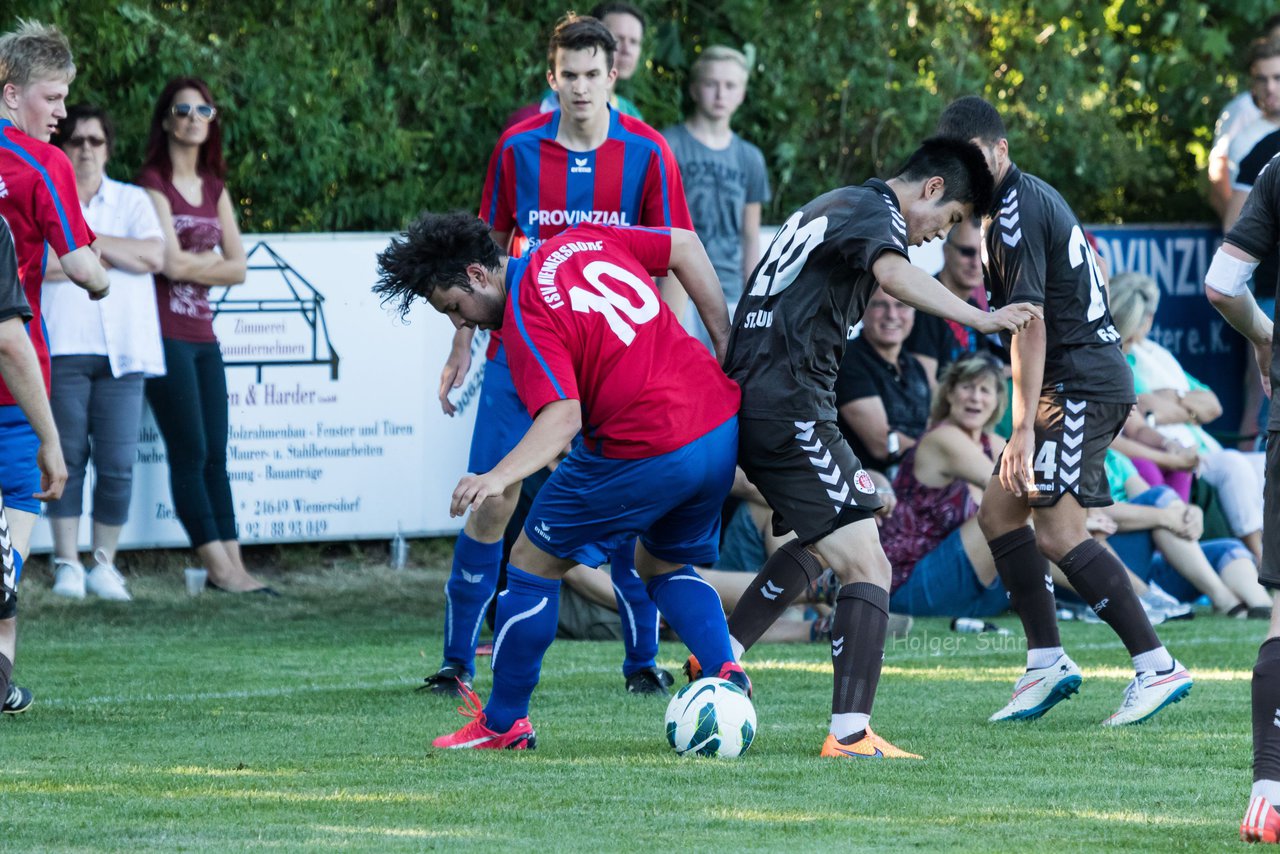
[
  {"x": 1037, "y": 253},
  {"x": 792, "y": 322}
]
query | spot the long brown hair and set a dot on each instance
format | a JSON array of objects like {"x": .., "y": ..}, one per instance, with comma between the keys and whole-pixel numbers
[{"x": 209, "y": 161}]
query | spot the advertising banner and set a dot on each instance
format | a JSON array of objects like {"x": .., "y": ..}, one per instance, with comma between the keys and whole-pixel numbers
[{"x": 336, "y": 432}]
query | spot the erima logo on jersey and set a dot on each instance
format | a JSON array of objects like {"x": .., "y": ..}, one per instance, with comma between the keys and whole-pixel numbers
[
  {"x": 580, "y": 166},
  {"x": 563, "y": 217}
]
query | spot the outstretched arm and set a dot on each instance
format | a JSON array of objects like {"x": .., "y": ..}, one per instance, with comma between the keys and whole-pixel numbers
[{"x": 905, "y": 281}]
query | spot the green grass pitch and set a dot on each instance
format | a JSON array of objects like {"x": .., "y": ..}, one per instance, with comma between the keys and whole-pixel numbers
[{"x": 219, "y": 723}]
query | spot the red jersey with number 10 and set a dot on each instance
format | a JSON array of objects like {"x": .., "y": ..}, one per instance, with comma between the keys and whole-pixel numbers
[{"x": 584, "y": 322}]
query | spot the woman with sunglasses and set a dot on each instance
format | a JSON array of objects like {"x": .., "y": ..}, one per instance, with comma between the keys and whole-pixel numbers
[
  {"x": 184, "y": 173},
  {"x": 101, "y": 353}
]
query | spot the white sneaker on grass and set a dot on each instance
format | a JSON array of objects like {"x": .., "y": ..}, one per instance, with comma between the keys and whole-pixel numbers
[
  {"x": 1040, "y": 689},
  {"x": 68, "y": 578},
  {"x": 105, "y": 581},
  {"x": 1150, "y": 692}
]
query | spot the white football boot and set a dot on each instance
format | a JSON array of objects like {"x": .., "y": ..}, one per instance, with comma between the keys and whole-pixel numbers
[
  {"x": 1150, "y": 692},
  {"x": 1040, "y": 689}
]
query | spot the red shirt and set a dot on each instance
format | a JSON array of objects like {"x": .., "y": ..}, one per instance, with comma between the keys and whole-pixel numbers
[
  {"x": 38, "y": 199},
  {"x": 584, "y": 322},
  {"x": 535, "y": 188},
  {"x": 185, "y": 313}
]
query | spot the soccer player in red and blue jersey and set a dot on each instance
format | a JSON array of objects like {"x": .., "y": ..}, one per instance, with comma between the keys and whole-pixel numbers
[
  {"x": 38, "y": 201},
  {"x": 585, "y": 163},
  {"x": 592, "y": 349}
]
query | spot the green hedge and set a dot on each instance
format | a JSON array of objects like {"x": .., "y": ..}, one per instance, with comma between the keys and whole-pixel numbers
[{"x": 356, "y": 115}]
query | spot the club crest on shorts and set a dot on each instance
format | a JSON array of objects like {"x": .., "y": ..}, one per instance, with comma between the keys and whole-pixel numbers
[{"x": 863, "y": 482}]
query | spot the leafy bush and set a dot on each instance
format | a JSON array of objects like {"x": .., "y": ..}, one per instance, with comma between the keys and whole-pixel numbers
[{"x": 354, "y": 116}]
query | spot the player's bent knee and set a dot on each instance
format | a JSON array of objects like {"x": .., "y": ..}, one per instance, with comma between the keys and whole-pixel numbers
[
  {"x": 487, "y": 523},
  {"x": 527, "y": 556}
]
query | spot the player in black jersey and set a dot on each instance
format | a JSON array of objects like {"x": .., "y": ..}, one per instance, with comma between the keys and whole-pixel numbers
[
  {"x": 1255, "y": 235},
  {"x": 1072, "y": 391},
  {"x": 788, "y": 336}
]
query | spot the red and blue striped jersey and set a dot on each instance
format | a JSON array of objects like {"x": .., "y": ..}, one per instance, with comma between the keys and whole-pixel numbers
[
  {"x": 38, "y": 199},
  {"x": 535, "y": 188}
]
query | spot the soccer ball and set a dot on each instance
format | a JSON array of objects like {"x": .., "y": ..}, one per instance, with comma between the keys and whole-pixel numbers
[{"x": 710, "y": 717}]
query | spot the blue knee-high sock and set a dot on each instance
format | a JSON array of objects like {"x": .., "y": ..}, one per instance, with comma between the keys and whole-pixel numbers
[
  {"x": 639, "y": 614},
  {"x": 528, "y": 613},
  {"x": 692, "y": 607},
  {"x": 466, "y": 598}
]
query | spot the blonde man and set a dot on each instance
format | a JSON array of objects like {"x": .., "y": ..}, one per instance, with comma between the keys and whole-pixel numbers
[{"x": 724, "y": 175}]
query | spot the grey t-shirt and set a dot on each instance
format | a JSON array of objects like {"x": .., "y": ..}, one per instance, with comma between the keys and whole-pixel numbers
[{"x": 718, "y": 184}]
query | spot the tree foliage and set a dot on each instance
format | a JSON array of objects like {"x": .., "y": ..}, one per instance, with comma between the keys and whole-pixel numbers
[{"x": 356, "y": 114}]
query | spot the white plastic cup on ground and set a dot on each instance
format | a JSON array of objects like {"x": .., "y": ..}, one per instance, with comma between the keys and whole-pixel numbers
[{"x": 196, "y": 579}]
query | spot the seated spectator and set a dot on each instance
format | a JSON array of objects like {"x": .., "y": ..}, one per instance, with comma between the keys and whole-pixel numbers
[
  {"x": 725, "y": 180},
  {"x": 1158, "y": 538},
  {"x": 102, "y": 352},
  {"x": 626, "y": 22},
  {"x": 941, "y": 563},
  {"x": 1177, "y": 404},
  {"x": 936, "y": 341},
  {"x": 882, "y": 392}
]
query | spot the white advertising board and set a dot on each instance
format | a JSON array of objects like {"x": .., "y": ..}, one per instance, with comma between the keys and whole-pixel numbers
[{"x": 336, "y": 432}]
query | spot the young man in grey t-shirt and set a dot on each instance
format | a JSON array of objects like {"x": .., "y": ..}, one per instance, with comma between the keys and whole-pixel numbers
[{"x": 724, "y": 175}]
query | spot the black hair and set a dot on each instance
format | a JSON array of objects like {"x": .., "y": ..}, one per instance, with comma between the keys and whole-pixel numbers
[
  {"x": 579, "y": 32},
  {"x": 433, "y": 254},
  {"x": 78, "y": 113},
  {"x": 1270, "y": 24},
  {"x": 971, "y": 117},
  {"x": 960, "y": 164},
  {"x": 617, "y": 7}
]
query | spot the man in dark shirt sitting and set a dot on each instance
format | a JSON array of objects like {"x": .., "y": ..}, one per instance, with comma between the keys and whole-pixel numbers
[
  {"x": 937, "y": 342},
  {"x": 882, "y": 391}
]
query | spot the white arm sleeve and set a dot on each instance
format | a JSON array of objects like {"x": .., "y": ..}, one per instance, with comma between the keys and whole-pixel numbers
[{"x": 1229, "y": 275}]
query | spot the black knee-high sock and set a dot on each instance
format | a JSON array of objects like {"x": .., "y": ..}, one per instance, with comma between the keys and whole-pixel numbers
[
  {"x": 1100, "y": 579},
  {"x": 784, "y": 576},
  {"x": 6, "y": 673},
  {"x": 857, "y": 645},
  {"x": 1266, "y": 712},
  {"x": 1025, "y": 574}
]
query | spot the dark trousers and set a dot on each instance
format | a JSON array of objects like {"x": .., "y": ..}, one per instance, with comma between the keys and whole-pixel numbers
[{"x": 190, "y": 408}]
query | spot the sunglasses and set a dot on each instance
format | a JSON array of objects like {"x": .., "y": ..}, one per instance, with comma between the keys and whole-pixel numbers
[
  {"x": 81, "y": 141},
  {"x": 202, "y": 111},
  {"x": 965, "y": 251}
]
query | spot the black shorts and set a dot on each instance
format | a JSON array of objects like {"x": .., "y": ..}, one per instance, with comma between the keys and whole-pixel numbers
[
  {"x": 1071, "y": 441},
  {"x": 1269, "y": 571},
  {"x": 808, "y": 474}
]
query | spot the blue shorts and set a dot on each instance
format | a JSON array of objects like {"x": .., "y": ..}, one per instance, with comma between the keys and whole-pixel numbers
[
  {"x": 501, "y": 419},
  {"x": 944, "y": 584},
  {"x": 1220, "y": 553},
  {"x": 19, "y": 474},
  {"x": 590, "y": 504}
]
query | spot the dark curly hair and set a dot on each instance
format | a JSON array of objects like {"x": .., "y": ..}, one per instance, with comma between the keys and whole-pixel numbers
[
  {"x": 433, "y": 253},
  {"x": 960, "y": 164}
]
